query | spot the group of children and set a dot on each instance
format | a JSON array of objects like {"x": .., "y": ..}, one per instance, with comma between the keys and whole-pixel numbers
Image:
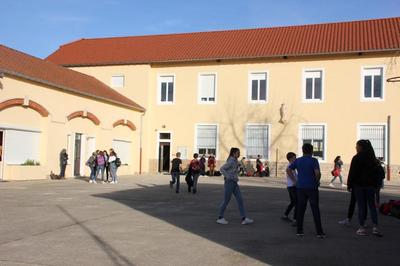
[
  {"x": 303, "y": 181},
  {"x": 365, "y": 178},
  {"x": 102, "y": 162}
]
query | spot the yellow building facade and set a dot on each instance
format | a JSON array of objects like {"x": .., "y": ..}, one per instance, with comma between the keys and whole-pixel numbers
[{"x": 280, "y": 121}]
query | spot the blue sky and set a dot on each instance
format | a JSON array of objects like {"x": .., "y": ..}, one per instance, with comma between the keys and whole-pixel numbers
[{"x": 39, "y": 27}]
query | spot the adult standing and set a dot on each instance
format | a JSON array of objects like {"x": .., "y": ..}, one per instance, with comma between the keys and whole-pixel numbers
[
  {"x": 101, "y": 165},
  {"x": 230, "y": 170},
  {"x": 63, "y": 162},
  {"x": 364, "y": 179},
  {"x": 106, "y": 156},
  {"x": 308, "y": 177}
]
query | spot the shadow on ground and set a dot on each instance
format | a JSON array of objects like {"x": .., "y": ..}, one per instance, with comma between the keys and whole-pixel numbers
[{"x": 268, "y": 240}]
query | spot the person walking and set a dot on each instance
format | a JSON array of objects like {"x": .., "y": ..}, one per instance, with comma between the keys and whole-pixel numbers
[
  {"x": 230, "y": 171},
  {"x": 337, "y": 171},
  {"x": 308, "y": 178},
  {"x": 364, "y": 180},
  {"x": 113, "y": 167},
  {"x": 176, "y": 168},
  {"x": 291, "y": 187},
  {"x": 63, "y": 162}
]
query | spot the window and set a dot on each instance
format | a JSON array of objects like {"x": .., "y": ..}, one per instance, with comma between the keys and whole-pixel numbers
[
  {"x": 258, "y": 87},
  {"x": 313, "y": 85},
  {"x": 257, "y": 141},
  {"x": 183, "y": 151},
  {"x": 123, "y": 150},
  {"x": 207, "y": 88},
  {"x": 315, "y": 135},
  {"x": 117, "y": 81},
  {"x": 372, "y": 83},
  {"x": 376, "y": 134},
  {"x": 21, "y": 146},
  {"x": 166, "y": 89},
  {"x": 206, "y": 139}
]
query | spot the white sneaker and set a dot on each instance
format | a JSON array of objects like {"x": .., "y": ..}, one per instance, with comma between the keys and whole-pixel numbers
[
  {"x": 344, "y": 222},
  {"x": 94, "y": 181},
  {"x": 247, "y": 221},
  {"x": 343, "y": 185},
  {"x": 112, "y": 182},
  {"x": 103, "y": 182},
  {"x": 222, "y": 221},
  {"x": 331, "y": 185},
  {"x": 90, "y": 181}
]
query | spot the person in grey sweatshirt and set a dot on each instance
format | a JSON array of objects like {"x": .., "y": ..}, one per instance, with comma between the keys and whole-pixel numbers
[{"x": 230, "y": 171}]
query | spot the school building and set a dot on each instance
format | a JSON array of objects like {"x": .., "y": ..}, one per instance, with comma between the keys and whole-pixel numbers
[{"x": 266, "y": 91}]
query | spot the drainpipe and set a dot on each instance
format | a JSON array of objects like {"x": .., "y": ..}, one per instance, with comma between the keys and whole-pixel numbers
[
  {"x": 388, "y": 148},
  {"x": 140, "y": 143}
]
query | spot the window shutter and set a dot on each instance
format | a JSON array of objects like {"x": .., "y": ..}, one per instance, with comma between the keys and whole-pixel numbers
[{"x": 207, "y": 87}]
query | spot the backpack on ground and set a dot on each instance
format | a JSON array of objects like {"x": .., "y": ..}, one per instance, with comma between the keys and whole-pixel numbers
[{"x": 117, "y": 162}]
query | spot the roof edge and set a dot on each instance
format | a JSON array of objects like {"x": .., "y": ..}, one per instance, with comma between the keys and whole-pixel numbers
[
  {"x": 228, "y": 58},
  {"x": 72, "y": 90}
]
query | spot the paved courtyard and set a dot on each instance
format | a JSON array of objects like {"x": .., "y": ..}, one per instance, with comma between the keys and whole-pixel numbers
[{"x": 141, "y": 221}]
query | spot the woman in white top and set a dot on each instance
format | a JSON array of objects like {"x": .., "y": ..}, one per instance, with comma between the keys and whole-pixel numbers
[{"x": 113, "y": 167}]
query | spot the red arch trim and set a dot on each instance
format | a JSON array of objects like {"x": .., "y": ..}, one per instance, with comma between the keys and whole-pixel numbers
[
  {"x": 89, "y": 116},
  {"x": 20, "y": 102},
  {"x": 123, "y": 123}
]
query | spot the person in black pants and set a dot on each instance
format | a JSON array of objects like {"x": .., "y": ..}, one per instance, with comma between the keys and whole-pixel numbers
[
  {"x": 308, "y": 177},
  {"x": 291, "y": 187},
  {"x": 176, "y": 171}
]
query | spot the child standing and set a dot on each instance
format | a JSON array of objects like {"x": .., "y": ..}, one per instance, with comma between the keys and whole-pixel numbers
[
  {"x": 176, "y": 169},
  {"x": 291, "y": 187},
  {"x": 337, "y": 171},
  {"x": 195, "y": 171}
]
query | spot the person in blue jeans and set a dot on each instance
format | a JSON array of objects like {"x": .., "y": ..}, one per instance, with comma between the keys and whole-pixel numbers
[
  {"x": 308, "y": 177},
  {"x": 230, "y": 171},
  {"x": 364, "y": 178}
]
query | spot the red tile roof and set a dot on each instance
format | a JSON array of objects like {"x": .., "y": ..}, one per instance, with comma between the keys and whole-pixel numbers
[
  {"x": 24, "y": 66},
  {"x": 320, "y": 39}
]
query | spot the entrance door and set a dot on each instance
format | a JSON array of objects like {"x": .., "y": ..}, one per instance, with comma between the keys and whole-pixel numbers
[
  {"x": 163, "y": 156},
  {"x": 1, "y": 154},
  {"x": 77, "y": 154}
]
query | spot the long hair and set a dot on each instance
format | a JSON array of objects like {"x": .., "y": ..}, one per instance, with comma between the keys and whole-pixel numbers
[
  {"x": 367, "y": 149},
  {"x": 336, "y": 159},
  {"x": 233, "y": 151}
]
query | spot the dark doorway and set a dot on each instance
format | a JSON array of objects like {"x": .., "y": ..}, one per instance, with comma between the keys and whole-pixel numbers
[
  {"x": 77, "y": 155},
  {"x": 163, "y": 157}
]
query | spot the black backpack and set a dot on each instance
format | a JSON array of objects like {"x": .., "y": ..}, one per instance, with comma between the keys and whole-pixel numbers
[{"x": 117, "y": 162}]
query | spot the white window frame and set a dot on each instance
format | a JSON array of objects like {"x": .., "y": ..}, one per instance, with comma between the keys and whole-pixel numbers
[
  {"x": 269, "y": 139},
  {"x": 303, "y": 80},
  {"x": 300, "y": 142},
  {"x": 249, "y": 85},
  {"x": 375, "y": 124},
  {"x": 163, "y": 140},
  {"x": 117, "y": 76},
  {"x": 6, "y": 129},
  {"x": 129, "y": 155},
  {"x": 372, "y": 99},
  {"x": 195, "y": 149},
  {"x": 199, "y": 101},
  {"x": 159, "y": 77}
]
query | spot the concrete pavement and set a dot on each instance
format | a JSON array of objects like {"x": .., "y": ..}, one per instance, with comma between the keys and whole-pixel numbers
[{"x": 141, "y": 221}]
